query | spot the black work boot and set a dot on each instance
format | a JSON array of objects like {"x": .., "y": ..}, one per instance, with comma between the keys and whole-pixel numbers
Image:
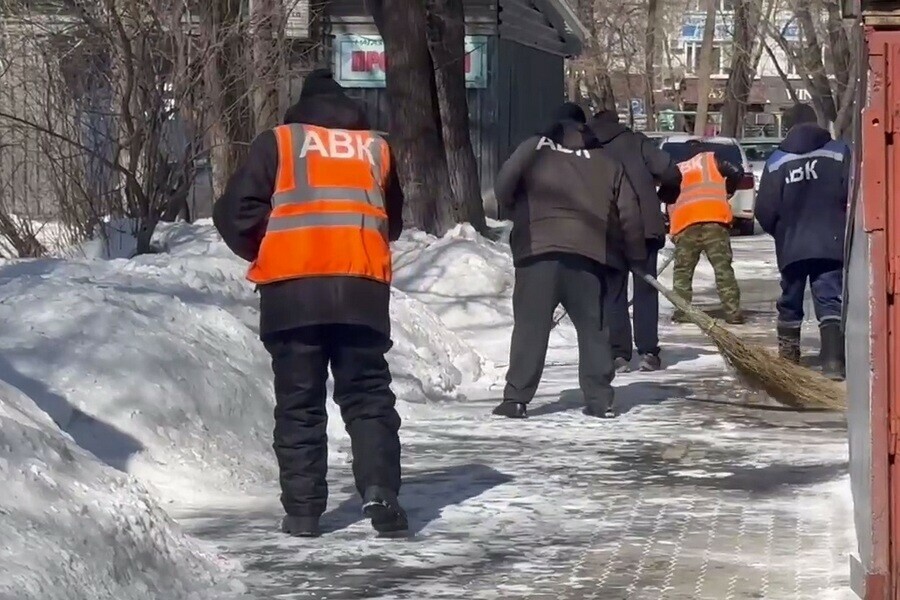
[
  {"x": 511, "y": 409},
  {"x": 600, "y": 410},
  {"x": 736, "y": 318},
  {"x": 679, "y": 318},
  {"x": 832, "y": 353},
  {"x": 388, "y": 518},
  {"x": 622, "y": 365},
  {"x": 300, "y": 526},
  {"x": 650, "y": 362},
  {"x": 789, "y": 343}
]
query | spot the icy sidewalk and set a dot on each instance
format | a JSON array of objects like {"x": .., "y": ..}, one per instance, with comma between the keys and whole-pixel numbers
[{"x": 685, "y": 496}]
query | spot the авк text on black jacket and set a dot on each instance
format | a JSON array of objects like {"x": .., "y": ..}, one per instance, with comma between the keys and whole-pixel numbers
[
  {"x": 565, "y": 198},
  {"x": 802, "y": 198}
]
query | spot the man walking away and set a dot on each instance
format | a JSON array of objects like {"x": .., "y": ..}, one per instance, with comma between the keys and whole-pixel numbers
[
  {"x": 699, "y": 223},
  {"x": 313, "y": 207},
  {"x": 645, "y": 166},
  {"x": 802, "y": 203},
  {"x": 574, "y": 216}
]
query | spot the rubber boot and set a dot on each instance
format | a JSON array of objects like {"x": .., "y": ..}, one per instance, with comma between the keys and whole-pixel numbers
[
  {"x": 388, "y": 518},
  {"x": 832, "y": 353},
  {"x": 300, "y": 526},
  {"x": 737, "y": 318},
  {"x": 789, "y": 343},
  {"x": 511, "y": 410}
]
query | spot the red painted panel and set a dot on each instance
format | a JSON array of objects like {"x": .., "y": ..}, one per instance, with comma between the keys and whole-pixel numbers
[
  {"x": 882, "y": 223},
  {"x": 892, "y": 235}
]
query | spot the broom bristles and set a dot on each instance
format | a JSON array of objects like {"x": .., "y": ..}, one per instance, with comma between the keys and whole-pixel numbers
[{"x": 786, "y": 382}]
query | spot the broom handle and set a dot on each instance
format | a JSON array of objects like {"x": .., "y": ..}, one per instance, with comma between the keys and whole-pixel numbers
[
  {"x": 664, "y": 266},
  {"x": 669, "y": 295}
]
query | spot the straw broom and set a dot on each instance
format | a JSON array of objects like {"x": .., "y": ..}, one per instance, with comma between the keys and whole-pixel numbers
[{"x": 786, "y": 382}]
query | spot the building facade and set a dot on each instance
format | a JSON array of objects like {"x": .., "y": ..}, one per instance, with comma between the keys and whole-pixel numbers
[
  {"x": 776, "y": 82},
  {"x": 776, "y": 67}
]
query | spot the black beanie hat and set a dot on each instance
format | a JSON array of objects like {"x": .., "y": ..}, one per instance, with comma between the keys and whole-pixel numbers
[
  {"x": 569, "y": 111},
  {"x": 320, "y": 81},
  {"x": 607, "y": 116},
  {"x": 799, "y": 114}
]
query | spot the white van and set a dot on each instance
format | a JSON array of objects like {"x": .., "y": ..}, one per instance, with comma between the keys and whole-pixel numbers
[{"x": 743, "y": 203}]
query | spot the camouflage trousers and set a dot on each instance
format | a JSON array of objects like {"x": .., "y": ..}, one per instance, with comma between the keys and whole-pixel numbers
[{"x": 713, "y": 240}]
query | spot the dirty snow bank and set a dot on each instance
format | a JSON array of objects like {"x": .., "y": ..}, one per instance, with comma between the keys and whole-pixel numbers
[
  {"x": 154, "y": 366},
  {"x": 74, "y": 529}
]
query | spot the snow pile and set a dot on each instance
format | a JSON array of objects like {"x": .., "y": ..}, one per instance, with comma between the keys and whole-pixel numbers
[
  {"x": 72, "y": 528},
  {"x": 465, "y": 279},
  {"x": 145, "y": 363},
  {"x": 428, "y": 361},
  {"x": 154, "y": 364}
]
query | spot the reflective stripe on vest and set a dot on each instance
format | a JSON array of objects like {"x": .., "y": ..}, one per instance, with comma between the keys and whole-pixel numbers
[
  {"x": 703, "y": 197},
  {"x": 328, "y": 211}
]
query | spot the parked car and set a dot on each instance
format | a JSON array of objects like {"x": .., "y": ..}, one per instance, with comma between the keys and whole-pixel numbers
[
  {"x": 743, "y": 202},
  {"x": 758, "y": 151}
]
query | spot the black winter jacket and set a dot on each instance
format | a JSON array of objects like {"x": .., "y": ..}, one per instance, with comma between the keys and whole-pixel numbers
[
  {"x": 646, "y": 166},
  {"x": 565, "y": 198},
  {"x": 802, "y": 198},
  {"x": 242, "y": 213}
]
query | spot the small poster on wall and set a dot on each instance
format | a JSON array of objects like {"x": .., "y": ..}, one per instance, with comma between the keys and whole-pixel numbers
[{"x": 359, "y": 61}]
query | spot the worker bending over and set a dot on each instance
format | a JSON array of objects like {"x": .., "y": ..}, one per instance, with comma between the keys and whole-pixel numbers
[
  {"x": 575, "y": 217},
  {"x": 700, "y": 223}
]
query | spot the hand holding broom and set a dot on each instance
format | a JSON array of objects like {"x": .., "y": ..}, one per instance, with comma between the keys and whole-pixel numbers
[{"x": 665, "y": 265}]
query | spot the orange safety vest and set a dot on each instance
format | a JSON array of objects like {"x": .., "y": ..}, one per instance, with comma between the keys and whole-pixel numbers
[
  {"x": 328, "y": 211},
  {"x": 703, "y": 197}
]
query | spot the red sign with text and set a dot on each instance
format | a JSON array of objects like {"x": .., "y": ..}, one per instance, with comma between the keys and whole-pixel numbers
[{"x": 360, "y": 61}]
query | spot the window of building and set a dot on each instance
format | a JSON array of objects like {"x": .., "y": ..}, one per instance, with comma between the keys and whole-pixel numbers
[
  {"x": 721, "y": 58},
  {"x": 795, "y": 49}
]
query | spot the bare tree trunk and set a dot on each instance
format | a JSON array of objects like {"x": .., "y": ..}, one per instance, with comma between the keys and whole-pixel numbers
[
  {"x": 572, "y": 92},
  {"x": 415, "y": 137},
  {"x": 650, "y": 62},
  {"x": 839, "y": 47},
  {"x": 267, "y": 26},
  {"x": 229, "y": 120},
  {"x": 811, "y": 58},
  {"x": 590, "y": 70},
  {"x": 446, "y": 41},
  {"x": 843, "y": 123},
  {"x": 704, "y": 74},
  {"x": 740, "y": 80}
]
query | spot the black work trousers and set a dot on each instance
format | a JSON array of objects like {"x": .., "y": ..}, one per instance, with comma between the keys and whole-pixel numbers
[
  {"x": 362, "y": 379},
  {"x": 541, "y": 285},
  {"x": 645, "y": 311}
]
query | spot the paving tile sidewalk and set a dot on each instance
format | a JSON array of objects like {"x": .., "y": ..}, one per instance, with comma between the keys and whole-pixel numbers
[{"x": 685, "y": 496}]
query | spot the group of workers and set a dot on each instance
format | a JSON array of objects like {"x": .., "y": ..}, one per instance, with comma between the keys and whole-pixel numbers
[{"x": 316, "y": 203}]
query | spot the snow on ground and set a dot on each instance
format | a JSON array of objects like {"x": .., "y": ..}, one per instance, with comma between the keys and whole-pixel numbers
[
  {"x": 73, "y": 528},
  {"x": 154, "y": 366}
]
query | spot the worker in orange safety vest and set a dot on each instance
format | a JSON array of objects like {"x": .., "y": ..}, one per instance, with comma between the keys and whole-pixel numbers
[
  {"x": 313, "y": 208},
  {"x": 699, "y": 223}
]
